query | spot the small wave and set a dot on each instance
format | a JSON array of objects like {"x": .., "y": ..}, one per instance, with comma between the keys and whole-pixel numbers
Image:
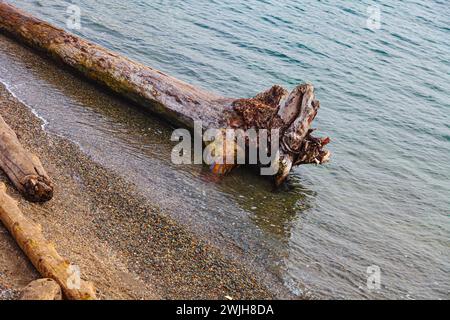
[{"x": 11, "y": 91}]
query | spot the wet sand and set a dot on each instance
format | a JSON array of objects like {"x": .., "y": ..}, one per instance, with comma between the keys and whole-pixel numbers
[{"x": 121, "y": 241}]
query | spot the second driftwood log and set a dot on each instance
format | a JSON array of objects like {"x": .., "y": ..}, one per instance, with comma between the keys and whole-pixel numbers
[
  {"x": 23, "y": 168},
  {"x": 42, "y": 253}
]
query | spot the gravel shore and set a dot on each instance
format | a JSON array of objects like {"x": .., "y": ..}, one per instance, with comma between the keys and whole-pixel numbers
[{"x": 121, "y": 241}]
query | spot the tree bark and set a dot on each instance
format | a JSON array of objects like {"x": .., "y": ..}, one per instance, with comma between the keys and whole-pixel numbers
[
  {"x": 23, "y": 168},
  {"x": 174, "y": 100},
  {"x": 42, "y": 253}
]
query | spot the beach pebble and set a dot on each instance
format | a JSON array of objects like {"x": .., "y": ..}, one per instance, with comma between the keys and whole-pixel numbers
[{"x": 42, "y": 289}]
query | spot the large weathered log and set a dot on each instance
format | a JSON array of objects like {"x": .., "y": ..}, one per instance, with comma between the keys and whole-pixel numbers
[
  {"x": 23, "y": 168},
  {"x": 41, "y": 253},
  {"x": 174, "y": 100}
]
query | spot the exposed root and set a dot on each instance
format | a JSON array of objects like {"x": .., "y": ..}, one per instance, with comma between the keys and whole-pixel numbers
[{"x": 293, "y": 117}]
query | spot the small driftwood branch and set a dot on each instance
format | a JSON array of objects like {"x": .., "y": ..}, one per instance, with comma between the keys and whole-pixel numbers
[
  {"x": 176, "y": 101},
  {"x": 42, "y": 253},
  {"x": 23, "y": 168}
]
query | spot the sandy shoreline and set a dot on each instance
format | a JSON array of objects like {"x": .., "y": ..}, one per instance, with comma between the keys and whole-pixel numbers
[{"x": 123, "y": 243}]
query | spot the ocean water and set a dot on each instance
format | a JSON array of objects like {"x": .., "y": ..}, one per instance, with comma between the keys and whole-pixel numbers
[{"x": 383, "y": 200}]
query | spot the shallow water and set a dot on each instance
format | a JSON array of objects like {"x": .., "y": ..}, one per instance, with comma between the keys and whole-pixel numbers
[{"x": 384, "y": 198}]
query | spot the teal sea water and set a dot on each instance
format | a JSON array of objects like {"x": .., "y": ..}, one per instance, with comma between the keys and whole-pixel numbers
[{"x": 383, "y": 200}]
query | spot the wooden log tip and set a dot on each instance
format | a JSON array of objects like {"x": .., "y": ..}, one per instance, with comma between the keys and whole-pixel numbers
[
  {"x": 37, "y": 188},
  {"x": 42, "y": 289},
  {"x": 180, "y": 103}
]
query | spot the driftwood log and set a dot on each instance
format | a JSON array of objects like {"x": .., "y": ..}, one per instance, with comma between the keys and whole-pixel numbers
[
  {"x": 42, "y": 289},
  {"x": 176, "y": 101},
  {"x": 42, "y": 253},
  {"x": 23, "y": 168}
]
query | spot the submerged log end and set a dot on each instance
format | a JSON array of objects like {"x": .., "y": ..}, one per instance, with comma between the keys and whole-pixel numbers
[
  {"x": 37, "y": 188},
  {"x": 24, "y": 168}
]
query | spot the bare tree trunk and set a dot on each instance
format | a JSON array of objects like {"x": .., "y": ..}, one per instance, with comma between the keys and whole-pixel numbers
[
  {"x": 42, "y": 253},
  {"x": 23, "y": 168},
  {"x": 174, "y": 100}
]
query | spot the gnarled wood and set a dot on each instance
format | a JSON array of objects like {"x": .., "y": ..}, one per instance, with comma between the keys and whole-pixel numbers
[
  {"x": 42, "y": 253},
  {"x": 172, "y": 99},
  {"x": 23, "y": 168}
]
